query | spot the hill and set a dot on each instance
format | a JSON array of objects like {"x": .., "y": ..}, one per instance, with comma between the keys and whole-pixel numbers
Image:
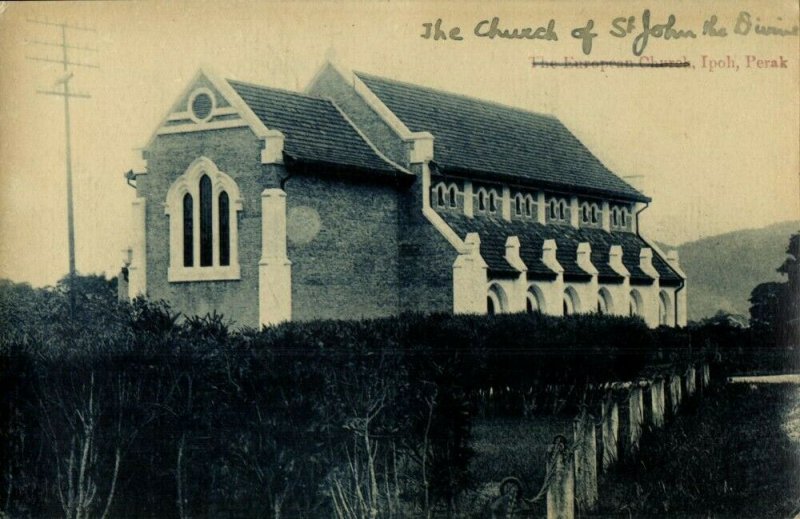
[{"x": 723, "y": 269}]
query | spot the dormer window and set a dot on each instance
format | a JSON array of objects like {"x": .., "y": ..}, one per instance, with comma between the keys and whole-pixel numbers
[{"x": 518, "y": 204}]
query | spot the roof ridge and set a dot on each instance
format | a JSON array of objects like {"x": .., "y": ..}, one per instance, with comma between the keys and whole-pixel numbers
[
  {"x": 458, "y": 95},
  {"x": 276, "y": 89}
]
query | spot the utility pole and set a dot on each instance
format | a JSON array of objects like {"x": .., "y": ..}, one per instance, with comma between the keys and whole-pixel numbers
[{"x": 67, "y": 95}]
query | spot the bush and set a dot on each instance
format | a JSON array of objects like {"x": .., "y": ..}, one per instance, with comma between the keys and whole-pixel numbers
[{"x": 129, "y": 409}]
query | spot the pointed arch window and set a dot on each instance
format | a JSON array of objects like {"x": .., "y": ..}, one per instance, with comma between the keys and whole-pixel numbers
[
  {"x": 224, "y": 230},
  {"x": 188, "y": 231},
  {"x": 202, "y": 205},
  {"x": 206, "y": 232}
]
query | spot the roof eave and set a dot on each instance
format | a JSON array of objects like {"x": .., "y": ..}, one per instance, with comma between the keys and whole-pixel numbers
[{"x": 306, "y": 165}]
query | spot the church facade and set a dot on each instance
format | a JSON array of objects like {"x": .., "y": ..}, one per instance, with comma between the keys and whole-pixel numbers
[{"x": 366, "y": 197}]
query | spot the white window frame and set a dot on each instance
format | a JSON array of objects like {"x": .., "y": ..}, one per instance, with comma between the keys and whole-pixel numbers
[
  {"x": 625, "y": 217},
  {"x": 452, "y": 196},
  {"x": 439, "y": 195},
  {"x": 189, "y": 183},
  {"x": 492, "y": 204},
  {"x": 585, "y": 212},
  {"x": 482, "y": 199},
  {"x": 596, "y": 214},
  {"x": 529, "y": 206}
]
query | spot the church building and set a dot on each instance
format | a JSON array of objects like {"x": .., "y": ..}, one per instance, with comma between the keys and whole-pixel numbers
[{"x": 366, "y": 197}]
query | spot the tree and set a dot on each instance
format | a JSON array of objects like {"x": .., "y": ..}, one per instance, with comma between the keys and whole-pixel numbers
[
  {"x": 766, "y": 300},
  {"x": 775, "y": 309},
  {"x": 791, "y": 268}
]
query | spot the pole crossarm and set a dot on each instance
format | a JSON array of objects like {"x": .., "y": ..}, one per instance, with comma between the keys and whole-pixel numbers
[
  {"x": 63, "y": 25},
  {"x": 54, "y": 44},
  {"x": 71, "y": 94},
  {"x": 62, "y": 62}
]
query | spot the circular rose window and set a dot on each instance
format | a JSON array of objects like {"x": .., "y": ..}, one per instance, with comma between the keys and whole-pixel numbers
[{"x": 202, "y": 105}]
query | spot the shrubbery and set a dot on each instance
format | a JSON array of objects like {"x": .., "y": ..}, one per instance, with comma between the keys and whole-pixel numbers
[{"x": 129, "y": 410}]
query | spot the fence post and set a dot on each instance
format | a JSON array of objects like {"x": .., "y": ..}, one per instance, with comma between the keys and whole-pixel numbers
[
  {"x": 657, "y": 402},
  {"x": 609, "y": 414},
  {"x": 691, "y": 378},
  {"x": 674, "y": 394},
  {"x": 635, "y": 419},
  {"x": 706, "y": 375},
  {"x": 561, "y": 491},
  {"x": 583, "y": 431}
]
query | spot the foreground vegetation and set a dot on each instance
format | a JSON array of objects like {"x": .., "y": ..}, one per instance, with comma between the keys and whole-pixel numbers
[
  {"x": 728, "y": 456},
  {"x": 130, "y": 410}
]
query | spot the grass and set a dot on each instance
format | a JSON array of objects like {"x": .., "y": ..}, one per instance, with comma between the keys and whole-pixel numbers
[
  {"x": 514, "y": 447},
  {"x": 511, "y": 447},
  {"x": 729, "y": 456}
]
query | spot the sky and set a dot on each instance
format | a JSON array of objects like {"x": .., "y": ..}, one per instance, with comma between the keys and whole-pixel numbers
[{"x": 717, "y": 150}]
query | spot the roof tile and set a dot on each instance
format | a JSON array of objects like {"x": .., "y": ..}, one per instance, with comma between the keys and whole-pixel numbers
[
  {"x": 493, "y": 232},
  {"x": 314, "y": 129},
  {"x": 480, "y": 136}
]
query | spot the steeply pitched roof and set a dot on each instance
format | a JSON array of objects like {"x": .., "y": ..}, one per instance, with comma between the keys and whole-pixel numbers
[
  {"x": 315, "y": 130},
  {"x": 483, "y": 137},
  {"x": 493, "y": 232}
]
